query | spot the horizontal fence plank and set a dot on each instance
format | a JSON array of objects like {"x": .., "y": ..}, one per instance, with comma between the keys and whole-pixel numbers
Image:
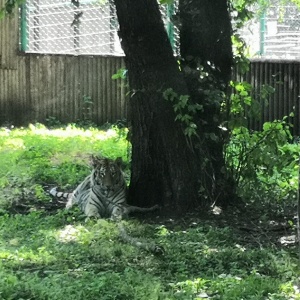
[{"x": 62, "y": 87}]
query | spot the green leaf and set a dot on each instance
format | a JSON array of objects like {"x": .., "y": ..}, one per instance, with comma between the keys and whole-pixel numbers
[
  {"x": 2, "y": 13},
  {"x": 166, "y": 1},
  {"x": 267, "y": 126},
  {"x": 213, "y": 137},
  {"x": 121, "y": 73},
  {"x": 178, "y": 117}
]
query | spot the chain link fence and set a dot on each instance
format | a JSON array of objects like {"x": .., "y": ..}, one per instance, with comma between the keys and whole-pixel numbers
[
  {"x": 280, "y": 31},
  {"x": 83, "y": 27},
  {"x": 62, "y": 26},
  {"x": 274, "y": 33},
  {"x": 76, "y": 27}
]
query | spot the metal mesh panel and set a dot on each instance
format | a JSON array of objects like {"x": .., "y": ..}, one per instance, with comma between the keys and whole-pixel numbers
[
  {"x": 90, "y": 27},
  {"x": 59, "y": 26},
  {"x": 169, "y": 13},
  {"x": 275, "y": 32},
  {"x": 281, "y": 31},
  {"x": 73, "y": 27}
]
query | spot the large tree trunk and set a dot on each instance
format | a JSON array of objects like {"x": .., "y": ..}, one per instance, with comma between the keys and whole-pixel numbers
[
  {"x": 163, "y": 167},
  {"x": 166, "y": 167}
]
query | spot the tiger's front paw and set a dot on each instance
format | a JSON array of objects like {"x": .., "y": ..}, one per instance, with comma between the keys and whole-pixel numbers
[{"x": 69, "y": 204}]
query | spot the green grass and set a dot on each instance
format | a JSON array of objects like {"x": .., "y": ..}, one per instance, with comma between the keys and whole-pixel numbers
[
  {"x": 49, "y": 253},
  {"x": 34, "y": 157}
]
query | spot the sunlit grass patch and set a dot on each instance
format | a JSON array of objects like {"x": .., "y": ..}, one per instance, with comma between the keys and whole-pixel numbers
[
  {"x": 24, "y": 256},
  {"x": 34, "y": 157},
  {"x": 69, "y": 233},
  {"x": 228, "y": 287}
]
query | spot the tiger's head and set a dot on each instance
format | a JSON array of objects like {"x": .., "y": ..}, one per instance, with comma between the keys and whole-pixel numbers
[{"x": 107, "y": 173}]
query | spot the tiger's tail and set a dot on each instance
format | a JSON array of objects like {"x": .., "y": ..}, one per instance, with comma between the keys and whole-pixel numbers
[
  {"x": 67, "y": 196},
  {"x": 57, "y": 194},
  {"x": 148, "y": 246}
]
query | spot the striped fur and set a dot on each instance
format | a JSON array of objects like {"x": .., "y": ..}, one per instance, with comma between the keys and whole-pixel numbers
[{"x": 102, "y": 194}]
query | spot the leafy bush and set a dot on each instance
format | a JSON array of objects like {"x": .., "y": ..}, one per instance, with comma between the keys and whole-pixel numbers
[{"x": 264, "y": 164}]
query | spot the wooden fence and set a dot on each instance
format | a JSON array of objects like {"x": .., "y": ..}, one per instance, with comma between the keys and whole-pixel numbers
[
  {"x": 284, "y": 76},
  {"x": 40, "y": 87},
  {"x": 36, "y": 87}
]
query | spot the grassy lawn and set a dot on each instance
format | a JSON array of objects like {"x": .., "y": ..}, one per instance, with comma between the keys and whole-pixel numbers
[{"x": 49, "y": 253}]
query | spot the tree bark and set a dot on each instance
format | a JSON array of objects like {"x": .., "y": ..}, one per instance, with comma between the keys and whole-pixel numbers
[
  {"x": 163, "y": 167},
  {"x": 167, "y": 167},
  {"x": 205, "y": 36}
]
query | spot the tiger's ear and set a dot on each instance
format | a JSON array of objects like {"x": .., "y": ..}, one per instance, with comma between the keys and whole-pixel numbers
[
  {"x": 119, "y": 162},
  {"x": 95, "y": 160}
]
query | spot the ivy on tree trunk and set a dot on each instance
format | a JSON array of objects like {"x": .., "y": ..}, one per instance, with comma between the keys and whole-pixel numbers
[{"x": 206, "y": 59}]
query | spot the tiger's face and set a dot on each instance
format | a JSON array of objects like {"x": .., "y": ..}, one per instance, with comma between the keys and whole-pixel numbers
[{"x": 107, "y": 173}]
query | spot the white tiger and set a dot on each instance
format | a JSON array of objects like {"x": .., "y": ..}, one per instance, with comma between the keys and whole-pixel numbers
[{"x": 103, "y": 194}]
